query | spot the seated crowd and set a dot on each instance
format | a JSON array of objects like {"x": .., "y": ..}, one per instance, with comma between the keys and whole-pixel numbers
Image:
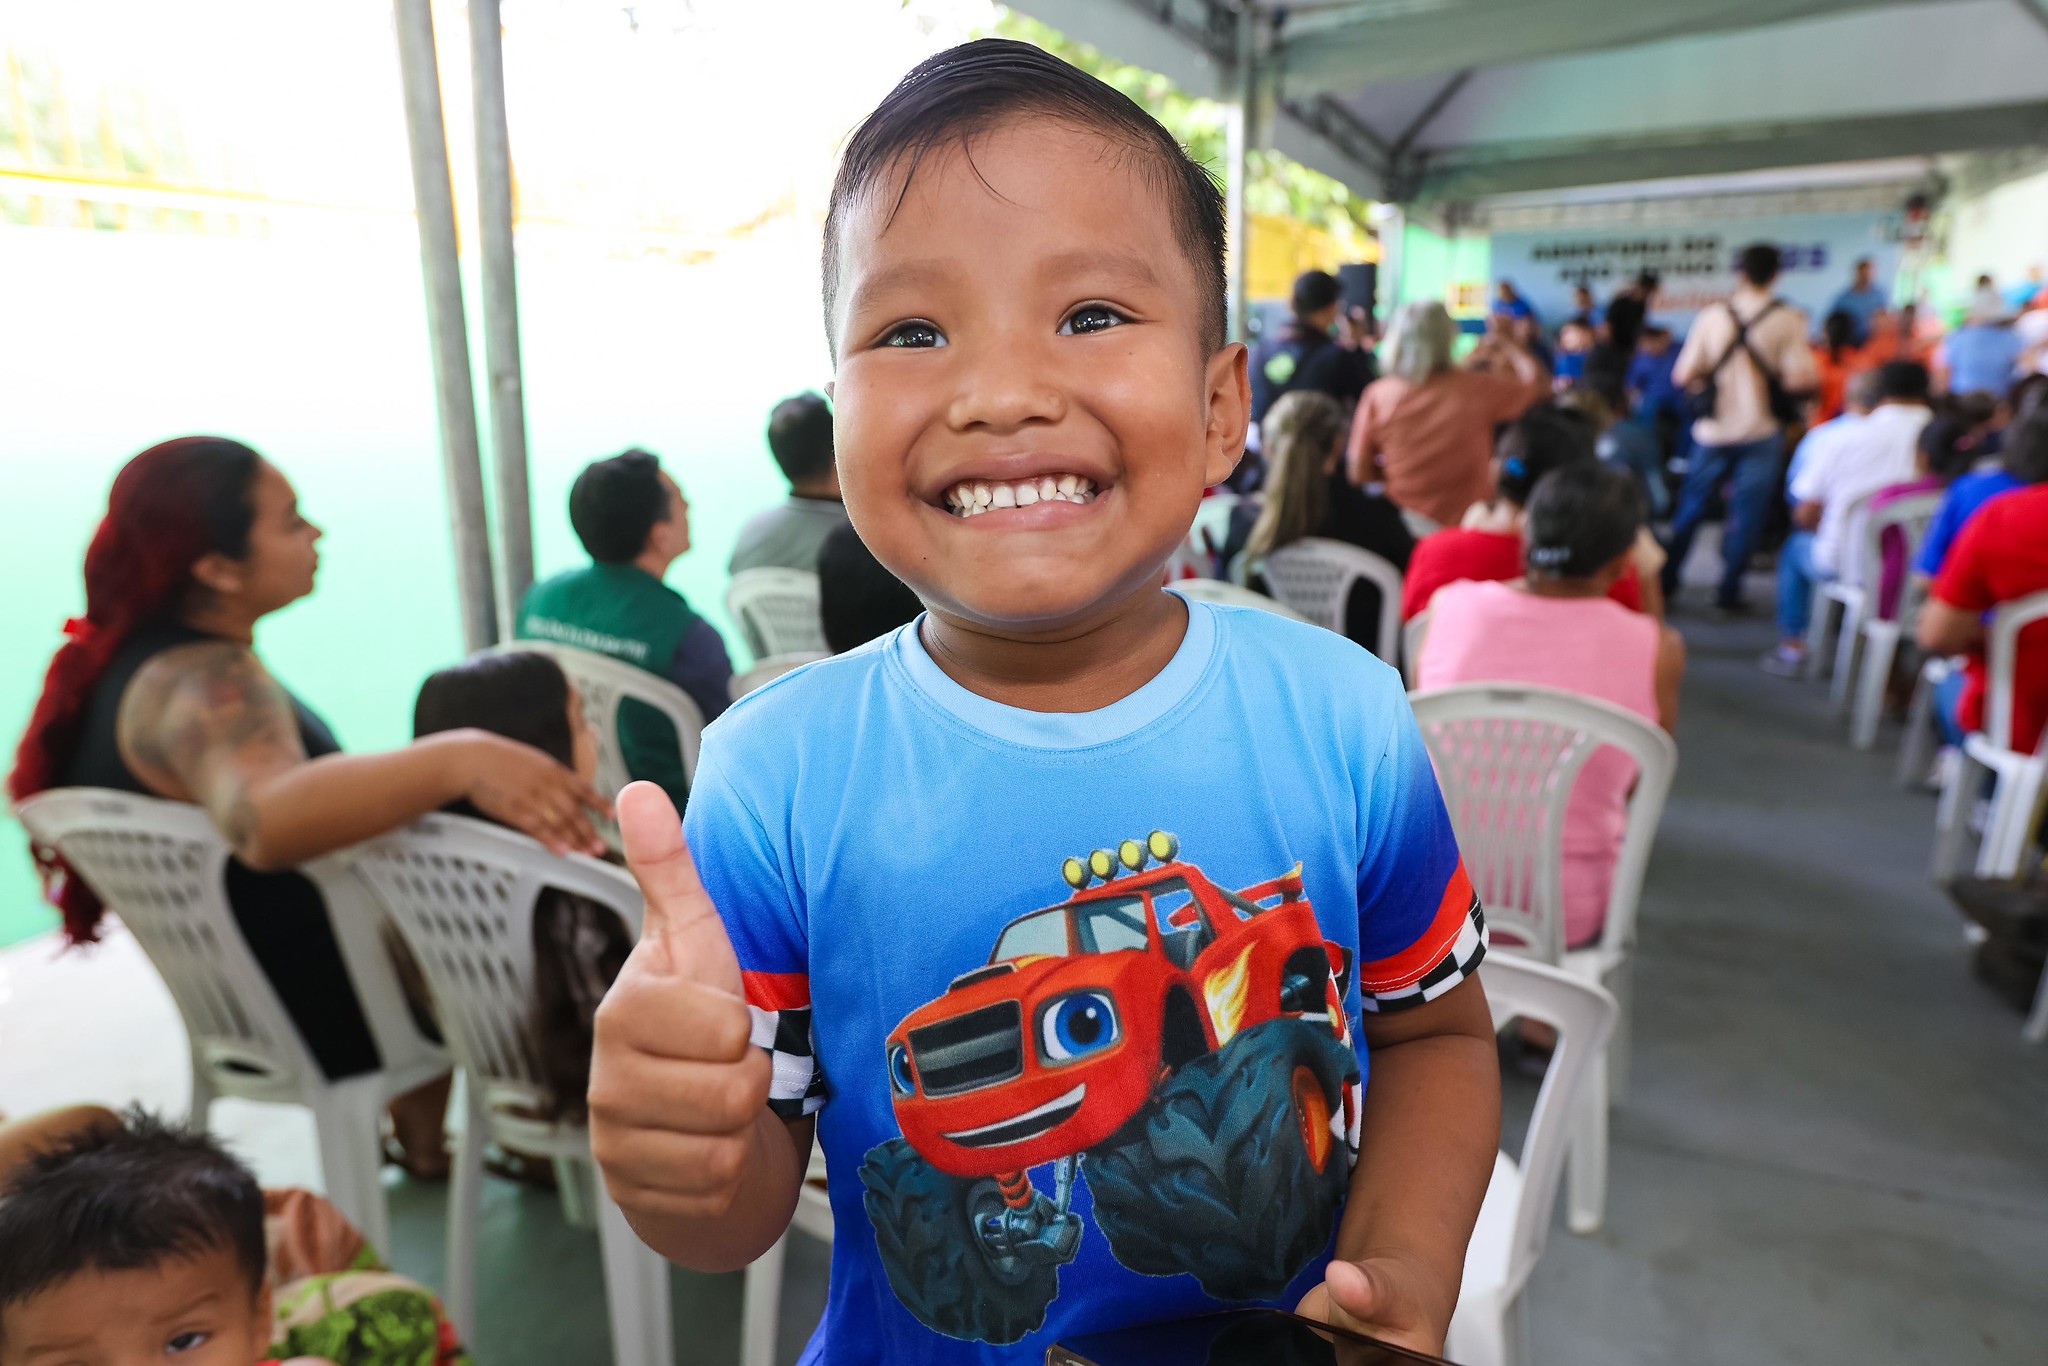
[{"x": 1513, "y": 490}]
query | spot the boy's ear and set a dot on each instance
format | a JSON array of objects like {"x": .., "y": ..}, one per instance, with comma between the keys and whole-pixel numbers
[{"x": 1230, "y": 411}]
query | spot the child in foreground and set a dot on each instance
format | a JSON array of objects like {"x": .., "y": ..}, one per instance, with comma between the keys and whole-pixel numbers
[
  {"x": 1072, "y": 917},
  {"x": 129, "y": 1243}
]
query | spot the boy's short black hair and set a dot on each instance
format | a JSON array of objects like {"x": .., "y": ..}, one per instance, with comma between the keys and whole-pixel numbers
[
  {"x": 1760, "y": 263},
  {"x": 1543, "y": 439},
  {"x": 1314, "y": 291},
  {"x": 968, "y": 89},
  {"x": 1582, "y": 517},
  {"x": 2026, "y": 447},
  {"x": 1904, "y": 380},
  {"x": 800, "y": 438},
  {"x": 615, "y": 503},
  {"x": 122, "y": 1199},
  {"x": 522, "y": 695}
]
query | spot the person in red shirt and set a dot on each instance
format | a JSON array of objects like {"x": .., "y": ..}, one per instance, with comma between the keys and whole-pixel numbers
[
  {"x": 1487, "y": 547},
  {"x": 2002, "y": 555}
]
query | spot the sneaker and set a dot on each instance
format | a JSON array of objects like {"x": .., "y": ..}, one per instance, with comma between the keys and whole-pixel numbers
[{"x": 1783, "y": 661}]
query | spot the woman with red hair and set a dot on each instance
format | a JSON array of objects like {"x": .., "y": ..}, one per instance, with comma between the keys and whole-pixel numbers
[{"x": 158, "y": 691}]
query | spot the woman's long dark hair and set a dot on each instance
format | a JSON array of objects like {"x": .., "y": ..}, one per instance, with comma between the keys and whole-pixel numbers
[{"x": 170, "y": 507}]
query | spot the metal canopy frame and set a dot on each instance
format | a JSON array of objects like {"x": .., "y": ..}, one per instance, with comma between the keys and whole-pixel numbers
[{"x": 1425, "y": 102}]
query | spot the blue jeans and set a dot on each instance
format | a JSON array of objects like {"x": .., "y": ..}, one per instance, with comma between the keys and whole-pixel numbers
[
  {"x": 1798, "y": 576},
  {"x": 1948, "y": 700},
  {"x": 1754, "y": 466}
]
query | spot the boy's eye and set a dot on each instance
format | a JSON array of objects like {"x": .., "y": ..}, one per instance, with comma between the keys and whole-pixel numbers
[
  {"x": 1091, "y": 318},
  {"x": 186, "y": 1342},
  {"x": 915, "y": 333}
]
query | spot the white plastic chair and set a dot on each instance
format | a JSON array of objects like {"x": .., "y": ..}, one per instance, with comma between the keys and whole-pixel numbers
[
  {"x": 604, "y": 683},
  {"x": 1506, "y": 757},
  {"x": 1490, "y": 1327},
  {"x": 1838, "y": 611},
  {"x": 1909, "y": 517},
  {"x": 770, "y": 669},
  {"x": 2019, "y": 781},
  {"x": 777, "y": 611},
  {"x": 1917, "y": 745},
  {"x": 1232, "y": 595},
  {"x": 1412, "y": 636},
  {"x": 762, "y": 1304},
  {"x": 160, "y": 866},
  {"x": 1314, "y": 576},
  {"x": 462, "y": 892}
]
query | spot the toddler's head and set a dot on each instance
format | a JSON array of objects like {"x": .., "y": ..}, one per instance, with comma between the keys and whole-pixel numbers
[
  {"x": 1575, "y": 338},
  {"x": 130, "y": 1244},
  {"x": 1024, "y": 296}
]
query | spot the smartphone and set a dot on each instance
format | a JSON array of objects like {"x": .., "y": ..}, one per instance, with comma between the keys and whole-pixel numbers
[{"x": 1247, "y": 1337}]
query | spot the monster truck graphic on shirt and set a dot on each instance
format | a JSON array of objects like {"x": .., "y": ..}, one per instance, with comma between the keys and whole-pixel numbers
[{"x": 1181, "y": 1046}]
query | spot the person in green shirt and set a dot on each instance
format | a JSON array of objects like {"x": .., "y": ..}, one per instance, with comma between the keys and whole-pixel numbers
[{"x": 634, "y": 521}]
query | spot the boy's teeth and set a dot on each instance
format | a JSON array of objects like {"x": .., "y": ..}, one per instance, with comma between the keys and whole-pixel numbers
[{"x": 969, "y": 499}]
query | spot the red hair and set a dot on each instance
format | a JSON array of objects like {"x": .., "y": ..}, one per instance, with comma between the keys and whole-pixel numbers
[{"x": 170, "y": 506}]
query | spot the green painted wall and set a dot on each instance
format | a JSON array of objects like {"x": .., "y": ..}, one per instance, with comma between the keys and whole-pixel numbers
[{"x": 313, "y": 348}]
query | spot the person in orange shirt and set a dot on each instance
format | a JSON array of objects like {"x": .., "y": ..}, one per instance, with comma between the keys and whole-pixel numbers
[{"x": 1835, "y": 359}]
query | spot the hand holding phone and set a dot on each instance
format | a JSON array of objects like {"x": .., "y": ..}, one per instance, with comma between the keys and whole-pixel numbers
[
  {"x": 1384, "y": 1297},
  {"x": 1251, "y": 1337}
]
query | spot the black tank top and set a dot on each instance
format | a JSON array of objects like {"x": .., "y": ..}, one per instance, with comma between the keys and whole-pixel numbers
[
  {"x": 97, "y": 761},
  {"x": 280, "y": 914}
]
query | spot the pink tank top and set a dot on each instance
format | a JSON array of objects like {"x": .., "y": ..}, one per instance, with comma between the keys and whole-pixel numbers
[{"x": 1492, "y": 633}]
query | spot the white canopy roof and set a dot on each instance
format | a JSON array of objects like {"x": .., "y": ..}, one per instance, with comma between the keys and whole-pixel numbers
[{"x": 1426, "y": 101}]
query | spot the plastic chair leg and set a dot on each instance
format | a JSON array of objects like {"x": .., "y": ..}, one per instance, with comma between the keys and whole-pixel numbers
[
  {"x": 1587, "y": 1161},
  {"x": 2015, "y": 806},
  {"x": 347, "y": 1119},
  {"x": 1817, "y": 626},
  {"x": 635, "y": 1292},
  {"x": 2037, "y": 1019},
  {"x": 1848, "y": 639},
  {"x": 1484, "y": 1332},
  {"x": 576, "y": 1182},
  {"x": 1880, "y": 648},
  {"x": 1960, "y": 778},
  {"x": 1621, "y": 983},
  {"x": 759, "y": 1319},
  {"x": 465, "y": 1198},
  {"x": 1916, "y": 748}
]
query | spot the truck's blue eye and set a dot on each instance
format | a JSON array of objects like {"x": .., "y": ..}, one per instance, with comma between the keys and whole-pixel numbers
[
  {"x": 1077, "y": 1025},
  {"x": 900, "y": 1075}
]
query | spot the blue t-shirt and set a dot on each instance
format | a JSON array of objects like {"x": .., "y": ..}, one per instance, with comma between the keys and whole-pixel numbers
[
  {"x": 1862, "y": 305},
  {"x": 1650, "y": 379},
  {"x": 1958, "y": 505},
  {"x": 1059, "y": 986},
  {"x": 1981, "y": 358}
]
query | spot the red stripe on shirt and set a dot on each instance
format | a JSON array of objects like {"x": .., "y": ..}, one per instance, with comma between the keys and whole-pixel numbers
[
  {"x": 777, "y": 990},
  {"x": 1411, "y": 964}
]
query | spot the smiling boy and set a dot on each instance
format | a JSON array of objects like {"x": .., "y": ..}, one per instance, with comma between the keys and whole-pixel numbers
[{"x": 1074, "y": 918}]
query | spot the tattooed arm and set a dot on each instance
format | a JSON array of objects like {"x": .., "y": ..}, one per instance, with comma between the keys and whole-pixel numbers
[{"x": 205, "y": 723}]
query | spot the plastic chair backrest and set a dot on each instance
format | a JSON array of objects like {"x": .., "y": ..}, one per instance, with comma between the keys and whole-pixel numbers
[
  {"x": 1232, "y": 595},
  {"x": 1583, "y": 1015},
  {"x": 770, "y": 669},
  {"x": 2001, "y": 658},
  {"x": 605, "y": 682},
  {"x": 462, "y": 892},
  {"x": 777, "y": 611},
  {"x": 1910, "y": 516},
  {"x": 1852, "y": 569},
  {"x": 1314, "y": 576},
  {"x": 1412, "y": 636},
  {"x": 1506, "y": 758},
  {"x": 160, "y": 866}
]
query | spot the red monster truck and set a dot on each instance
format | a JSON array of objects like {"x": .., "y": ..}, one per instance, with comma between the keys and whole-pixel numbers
[{"x": 1187, "y": 1041}]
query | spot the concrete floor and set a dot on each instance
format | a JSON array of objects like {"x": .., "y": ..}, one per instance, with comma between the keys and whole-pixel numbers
[{"x": 1834, "y": 1149}]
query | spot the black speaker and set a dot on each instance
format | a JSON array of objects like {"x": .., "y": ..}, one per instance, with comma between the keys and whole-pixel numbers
[{"x": 1360, "y": 283}]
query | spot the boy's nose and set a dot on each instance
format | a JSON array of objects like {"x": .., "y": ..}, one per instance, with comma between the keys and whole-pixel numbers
[{"x": 1003, "y": 390}]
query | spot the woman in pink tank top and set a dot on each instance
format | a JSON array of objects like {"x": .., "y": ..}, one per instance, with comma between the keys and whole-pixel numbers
[{"x": 1557, "y": 628}]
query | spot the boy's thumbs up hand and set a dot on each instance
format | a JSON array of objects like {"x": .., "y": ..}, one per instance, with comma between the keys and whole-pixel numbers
[{"x": 676, "y": 1087}]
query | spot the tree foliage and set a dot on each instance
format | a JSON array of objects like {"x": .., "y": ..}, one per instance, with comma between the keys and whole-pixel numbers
[{"x": 1276, "y": 184}]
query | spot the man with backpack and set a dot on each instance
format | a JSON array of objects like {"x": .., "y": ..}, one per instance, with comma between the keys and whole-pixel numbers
[{"x": 1748, "y": 369}]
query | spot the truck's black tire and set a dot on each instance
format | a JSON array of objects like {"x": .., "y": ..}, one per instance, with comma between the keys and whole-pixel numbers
[
  {"x": 1229, "y": 1173},
  {"x": 925, "y": 1228}
]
